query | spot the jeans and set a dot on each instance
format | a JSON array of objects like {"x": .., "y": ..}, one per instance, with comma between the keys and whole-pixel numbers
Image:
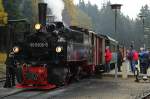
[
  {"x": 107, "y": 67},
  {"x": 132, "y": 65},
  {"x": 144, "y": 67}
]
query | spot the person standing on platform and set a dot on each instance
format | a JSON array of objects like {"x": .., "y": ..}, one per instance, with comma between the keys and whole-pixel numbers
[
  {"x": 10, "y": 71},
  {"x": 144, "y": 61},
  {"x": 108, "y": 57},
  {"x": 133, "y": 58},
  {"x": 119, "y": 59},
  {"x": 129, "y": 57}
]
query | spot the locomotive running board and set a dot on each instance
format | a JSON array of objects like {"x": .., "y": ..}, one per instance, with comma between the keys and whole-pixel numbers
[{"x": 48, "y": 86}]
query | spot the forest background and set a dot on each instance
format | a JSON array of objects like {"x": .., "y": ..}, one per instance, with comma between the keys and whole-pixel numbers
[{"x": 129, "y": 31}]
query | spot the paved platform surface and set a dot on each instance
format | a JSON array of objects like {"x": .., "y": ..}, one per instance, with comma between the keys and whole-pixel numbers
[
  {"x": 93, "y": 88},
  {"x": 125, "y": 71}
]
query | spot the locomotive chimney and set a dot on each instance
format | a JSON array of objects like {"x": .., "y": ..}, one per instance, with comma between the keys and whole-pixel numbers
[{"x": 42, "y": 13}]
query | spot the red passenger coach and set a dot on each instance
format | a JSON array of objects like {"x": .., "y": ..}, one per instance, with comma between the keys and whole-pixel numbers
[{"x": 98, "y": 44}]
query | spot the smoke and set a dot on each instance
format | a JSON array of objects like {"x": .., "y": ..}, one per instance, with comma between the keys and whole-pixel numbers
[{"x": 56, "y": 7}]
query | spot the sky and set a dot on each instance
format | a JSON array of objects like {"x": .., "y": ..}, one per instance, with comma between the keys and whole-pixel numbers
[{"x": 129, "y": 7}]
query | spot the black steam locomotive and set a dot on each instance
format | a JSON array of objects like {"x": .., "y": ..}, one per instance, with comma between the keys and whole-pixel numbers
[{"x": 53, "y": 55}]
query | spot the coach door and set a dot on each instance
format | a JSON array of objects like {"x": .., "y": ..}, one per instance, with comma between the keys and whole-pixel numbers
[{"x": 94, "y": 49}]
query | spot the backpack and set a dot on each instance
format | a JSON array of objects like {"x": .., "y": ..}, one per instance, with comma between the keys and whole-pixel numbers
[{"x": 135, "y": 56}]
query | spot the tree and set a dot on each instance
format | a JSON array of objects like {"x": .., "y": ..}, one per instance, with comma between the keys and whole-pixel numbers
[
  {"x": 83, "y": 19},
  {"x": 71, "y": 10},
  {"x": 146, "y": 30},
  {"x": 1, "y": 6},
  {"x": 3, "y": 15},
  {"x": 12, "y": 8},
  {"x": 74, "y": 16},
  {"x": 103, "y": 20},
  {"x": 18, "y": 9},
  {"x": 34, "y": 7}
]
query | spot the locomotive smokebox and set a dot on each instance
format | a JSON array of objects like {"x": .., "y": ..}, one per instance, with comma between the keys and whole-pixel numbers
[{"x": 42, "y": 13}]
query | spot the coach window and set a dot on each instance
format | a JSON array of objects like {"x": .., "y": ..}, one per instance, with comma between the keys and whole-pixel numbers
[{"x": 86, "y": 39}]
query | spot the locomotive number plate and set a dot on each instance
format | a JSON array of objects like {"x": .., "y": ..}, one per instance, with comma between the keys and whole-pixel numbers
[{"x": 39, "y": 45}]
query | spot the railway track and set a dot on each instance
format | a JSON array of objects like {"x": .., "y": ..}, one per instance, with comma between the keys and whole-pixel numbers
[
  {"x": 35, "y": 93},
  {"x": 32, "y": 93},
  {"x": 24, "y": 93},
  {"x": 147, "y": 96},
  {"x": 144, "y": 95}
]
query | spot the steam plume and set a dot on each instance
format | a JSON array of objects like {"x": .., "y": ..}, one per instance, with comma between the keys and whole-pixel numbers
[{"x": 56, "y": 7}]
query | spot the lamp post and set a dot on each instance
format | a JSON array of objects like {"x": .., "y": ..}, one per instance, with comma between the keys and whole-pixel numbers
[
  {"x": 116, "y": 7},
  {"x": 143, "y": 23}
]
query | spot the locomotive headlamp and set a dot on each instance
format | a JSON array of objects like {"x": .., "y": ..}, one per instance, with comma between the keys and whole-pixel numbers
[
  {"x": 37, "y": 26},
  {"x": 16, "y": 49},
  {"x": 59, "y": 49}
]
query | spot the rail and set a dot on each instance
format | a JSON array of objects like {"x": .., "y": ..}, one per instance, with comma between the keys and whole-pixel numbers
[{"x": 146, "y": 96}]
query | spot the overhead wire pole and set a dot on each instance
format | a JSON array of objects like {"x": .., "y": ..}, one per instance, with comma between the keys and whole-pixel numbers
[{"x": 116, "y": 7}]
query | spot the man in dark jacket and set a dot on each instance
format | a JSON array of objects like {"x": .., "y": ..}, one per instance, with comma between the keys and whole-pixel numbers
[
  {"x": 144, "y": 61},
  {"x": 130, "y": 58},
  {"x": 10, "y": 71},
  {"x": 119, "y": 59}
]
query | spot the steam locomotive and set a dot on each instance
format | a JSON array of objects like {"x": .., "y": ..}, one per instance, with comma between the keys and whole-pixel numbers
[
  {"x": 51, "y": 56},
  {"x": 55, "y": 55}
]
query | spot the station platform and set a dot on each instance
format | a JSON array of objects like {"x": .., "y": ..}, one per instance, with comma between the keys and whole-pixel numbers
[{"x": 125, "y": 71}]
